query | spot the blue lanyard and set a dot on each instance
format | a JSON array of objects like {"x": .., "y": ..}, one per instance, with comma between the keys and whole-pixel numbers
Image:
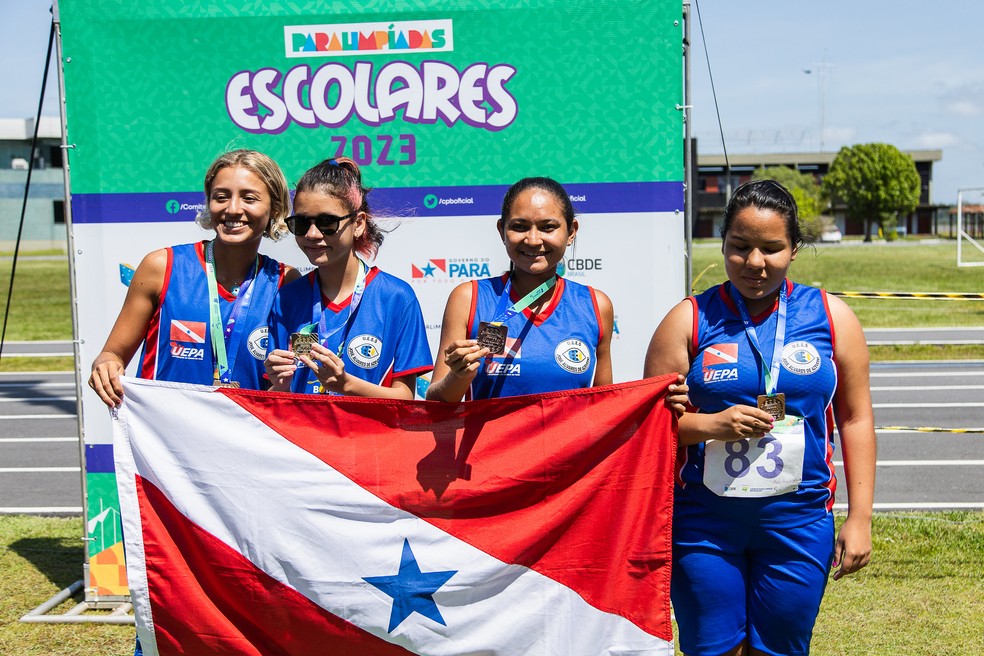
[
  {"x": 318, "y": 315},
  {"x": 504, "y": 314},
  {"x": 771, "y": 373},
  {"x": 226, "y": 341}
]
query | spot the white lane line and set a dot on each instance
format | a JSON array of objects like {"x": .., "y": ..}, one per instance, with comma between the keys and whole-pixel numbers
[
  {"x": 922, "y": 505},
  {"x": 39, "y": 470},
  {"x": 963, "y": 433},
  {"x": 4, "y": 440},
  {"x": 53, "y": 354},
  {"x": 922, "y": 463},
  {"x": 37, "y": 510},
  {"x": 922, "y": 388},
  {"x": 23, "y": 399},
  {"x": 34, "y": 385},
  {"x": 63, "y": 415},
  {"x": 926, "y": 342},
  {"x": 926, "y": 374},
  {"x": 889, "y": 331},
  {"x": 968, "y": 404}
]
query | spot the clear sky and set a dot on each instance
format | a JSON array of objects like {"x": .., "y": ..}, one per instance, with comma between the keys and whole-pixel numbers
[{"x": 905, "y": 72}]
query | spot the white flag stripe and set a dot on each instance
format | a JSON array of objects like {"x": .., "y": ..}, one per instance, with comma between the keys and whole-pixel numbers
[
  {"x": 198, "y": 339},
  {"x": 727, "y": 357},
  {"x": 305, "y": 525}
]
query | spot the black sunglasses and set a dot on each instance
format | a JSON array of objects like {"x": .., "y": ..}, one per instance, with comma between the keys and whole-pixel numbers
[{"x": 327, "y": 224}]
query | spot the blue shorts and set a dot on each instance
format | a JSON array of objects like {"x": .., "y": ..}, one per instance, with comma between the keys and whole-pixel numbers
[{"x": 733, "y": 581}]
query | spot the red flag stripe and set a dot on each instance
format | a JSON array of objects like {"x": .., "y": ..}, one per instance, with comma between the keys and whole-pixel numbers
[{"x": 209, "y": 599}]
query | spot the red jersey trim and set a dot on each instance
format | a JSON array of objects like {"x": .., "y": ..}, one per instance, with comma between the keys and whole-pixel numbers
[
  {"x": 594, "y": 304},
  {"x": 411, "y": 372},
  {"x": 694, "y": 330},
  {"x": 148, "y": 366},
  {"x": 546, "y": 312},
  {"x": 336, "y": 308},
  {"x": 472, "y": 307},
  {"x": 760, "y": 317}
]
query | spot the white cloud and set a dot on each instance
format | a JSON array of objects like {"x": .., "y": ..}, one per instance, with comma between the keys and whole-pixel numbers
[
  {"x": 964, "y": 108},
  {"x": 936, "y": 140}
]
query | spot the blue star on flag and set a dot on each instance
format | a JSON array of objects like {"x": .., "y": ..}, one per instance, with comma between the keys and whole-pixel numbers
[
  {"x": 428, "y": 270},
  {"x": 411, "y": 589}
]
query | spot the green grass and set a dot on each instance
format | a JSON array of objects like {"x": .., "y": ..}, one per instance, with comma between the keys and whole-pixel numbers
[
  {"x": 877, "y": 267},
  {"x": 11, "y": 364},
  {"x": 40, "y": 309},
  {"x": 922, "y": 594},
  {"x": 38, "y": 557}
]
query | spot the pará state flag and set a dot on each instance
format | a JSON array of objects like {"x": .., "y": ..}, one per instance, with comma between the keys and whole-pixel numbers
[{"x": 275, "y": 524}]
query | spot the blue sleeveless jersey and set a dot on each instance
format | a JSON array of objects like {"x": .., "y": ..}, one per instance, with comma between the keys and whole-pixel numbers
[
  {"x": 725, "y": 371},
  {"x": 384, "y": 338},
  {"x": 546, "y": 352},
  {"x": 178, "y": 346}
]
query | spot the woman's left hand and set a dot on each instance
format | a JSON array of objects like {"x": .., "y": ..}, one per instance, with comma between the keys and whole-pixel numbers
[
  {"x": 677, "y": 398},
  {"x": 328, "y": 367},
  {"x": 852, "y": 551}
]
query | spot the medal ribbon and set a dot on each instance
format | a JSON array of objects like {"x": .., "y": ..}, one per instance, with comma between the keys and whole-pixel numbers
[
  {"x": 771, "y": 373},
  {"x": 504, "y": 314},
  {"x": 230, "y": 336},
  {"x": 318, "y": 318}
]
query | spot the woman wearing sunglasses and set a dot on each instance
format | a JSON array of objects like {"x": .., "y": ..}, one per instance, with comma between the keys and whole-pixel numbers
[
  {"x": 347, "y": 327},
  {"x": 201, "y": 309}
]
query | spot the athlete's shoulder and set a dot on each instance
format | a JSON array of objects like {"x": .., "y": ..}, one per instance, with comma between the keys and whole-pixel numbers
[{"x": 300, "y": 286}]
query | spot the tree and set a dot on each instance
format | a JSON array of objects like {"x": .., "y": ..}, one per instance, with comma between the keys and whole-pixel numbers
[
  {"x": 876, "y": 182},
  {"x": 806, "y": 192}
]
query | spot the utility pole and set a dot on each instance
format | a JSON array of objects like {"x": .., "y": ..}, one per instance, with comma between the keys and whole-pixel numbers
[{"x": 821, "y": 69}]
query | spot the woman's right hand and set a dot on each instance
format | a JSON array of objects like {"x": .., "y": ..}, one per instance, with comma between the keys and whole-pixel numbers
[
  {"x": 463, "y": 358},
  {"x": 740, "y": 422},
  {"x": 280, "y": 366},
  {"x": 105, "y": 380}
]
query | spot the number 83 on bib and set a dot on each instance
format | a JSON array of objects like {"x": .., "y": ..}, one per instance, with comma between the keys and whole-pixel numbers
[{"x": 762, "y": 467}]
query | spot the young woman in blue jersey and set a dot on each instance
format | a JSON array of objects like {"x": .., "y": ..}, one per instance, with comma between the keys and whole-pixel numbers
[
  {"x": 557, "y": 333},
  {"x": 363, "y": 326},
  {"x": 168, "y": 306},
  {"x": 773, "y": 367}
]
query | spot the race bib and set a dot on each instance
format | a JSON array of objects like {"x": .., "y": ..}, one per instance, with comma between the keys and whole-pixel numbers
[{"x": 764, "y": 467}]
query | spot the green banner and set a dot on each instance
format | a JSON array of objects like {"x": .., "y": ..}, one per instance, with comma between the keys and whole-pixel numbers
[{"x": 424, "y": 93}]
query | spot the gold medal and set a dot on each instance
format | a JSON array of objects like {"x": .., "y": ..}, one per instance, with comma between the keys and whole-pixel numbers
[
  {"x": 218, "y": 383},
  {"x": 492, "y": 336},
  {"x": 300, "y": 343},
  {"x": 774, "y": 404}
]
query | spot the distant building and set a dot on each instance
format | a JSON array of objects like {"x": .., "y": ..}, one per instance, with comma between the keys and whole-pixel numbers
[
  {"x": 709, "y": 195},
  {"x": 44, "y": 218}
]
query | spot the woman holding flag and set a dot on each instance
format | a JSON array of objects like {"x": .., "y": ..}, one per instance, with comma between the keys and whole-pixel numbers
[
  {"x": 773, "y": 366},
  {"x": 200, "y": 309},
  {"x": 356, "y": 330}
]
